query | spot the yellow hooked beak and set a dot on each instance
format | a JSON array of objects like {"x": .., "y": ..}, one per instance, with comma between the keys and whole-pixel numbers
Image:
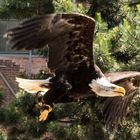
[{"x": 120, "y": 91}]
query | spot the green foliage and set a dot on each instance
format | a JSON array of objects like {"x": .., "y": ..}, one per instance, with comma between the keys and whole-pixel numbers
[
  {"x": 118, "y": 48},
  {"x": 101, "y": 48},
  {"x": 126, "y": 49},
  {"x": 22, "y": 118},
  {"x": 74, "y": 132},
  {"x": 15, "y": 8},
  {"x": 1, "y": 135},
  {"x": 112, "y": 12},
  {"x": 81, "y": 117},
  {"x": 68, "y": 6}
]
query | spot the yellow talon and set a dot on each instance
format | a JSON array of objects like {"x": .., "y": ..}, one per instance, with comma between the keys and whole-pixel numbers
[{"x": 44, "y": 114}]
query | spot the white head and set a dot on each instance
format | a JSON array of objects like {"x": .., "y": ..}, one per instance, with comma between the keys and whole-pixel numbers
[{"x": 103, "y": 87}]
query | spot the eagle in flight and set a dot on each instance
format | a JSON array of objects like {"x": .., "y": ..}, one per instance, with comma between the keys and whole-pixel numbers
[{"x": 68, "y": 37}]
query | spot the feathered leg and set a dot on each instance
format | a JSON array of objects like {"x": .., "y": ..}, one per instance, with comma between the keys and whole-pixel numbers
[{"x": 59, "y": 88}]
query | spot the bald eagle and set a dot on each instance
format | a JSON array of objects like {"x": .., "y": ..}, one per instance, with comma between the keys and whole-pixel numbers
[{"x": 69, "y": 40}]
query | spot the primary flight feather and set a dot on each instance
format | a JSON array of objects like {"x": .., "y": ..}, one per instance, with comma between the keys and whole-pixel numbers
[{"x": 116, "y": 109}]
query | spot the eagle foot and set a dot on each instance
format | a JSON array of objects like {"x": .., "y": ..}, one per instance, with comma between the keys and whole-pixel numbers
[{"x": 45, "y": 112}]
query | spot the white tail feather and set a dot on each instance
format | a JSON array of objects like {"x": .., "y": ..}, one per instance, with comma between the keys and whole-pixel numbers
[{"x": 33, "y": 86}]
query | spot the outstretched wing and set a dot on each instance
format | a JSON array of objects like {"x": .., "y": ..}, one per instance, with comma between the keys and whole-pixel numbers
[
  {"x": 68, "y": 37},
  {"x": 115, "y": 108},
  {"x": 118, "y": 76}
]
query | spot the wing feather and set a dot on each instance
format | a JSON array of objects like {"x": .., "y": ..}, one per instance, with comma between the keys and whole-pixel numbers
[
  {"x": 118, "y": 76},
  {"x": 69, "y": 37},
  {"x": 116, "y": 108}
]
